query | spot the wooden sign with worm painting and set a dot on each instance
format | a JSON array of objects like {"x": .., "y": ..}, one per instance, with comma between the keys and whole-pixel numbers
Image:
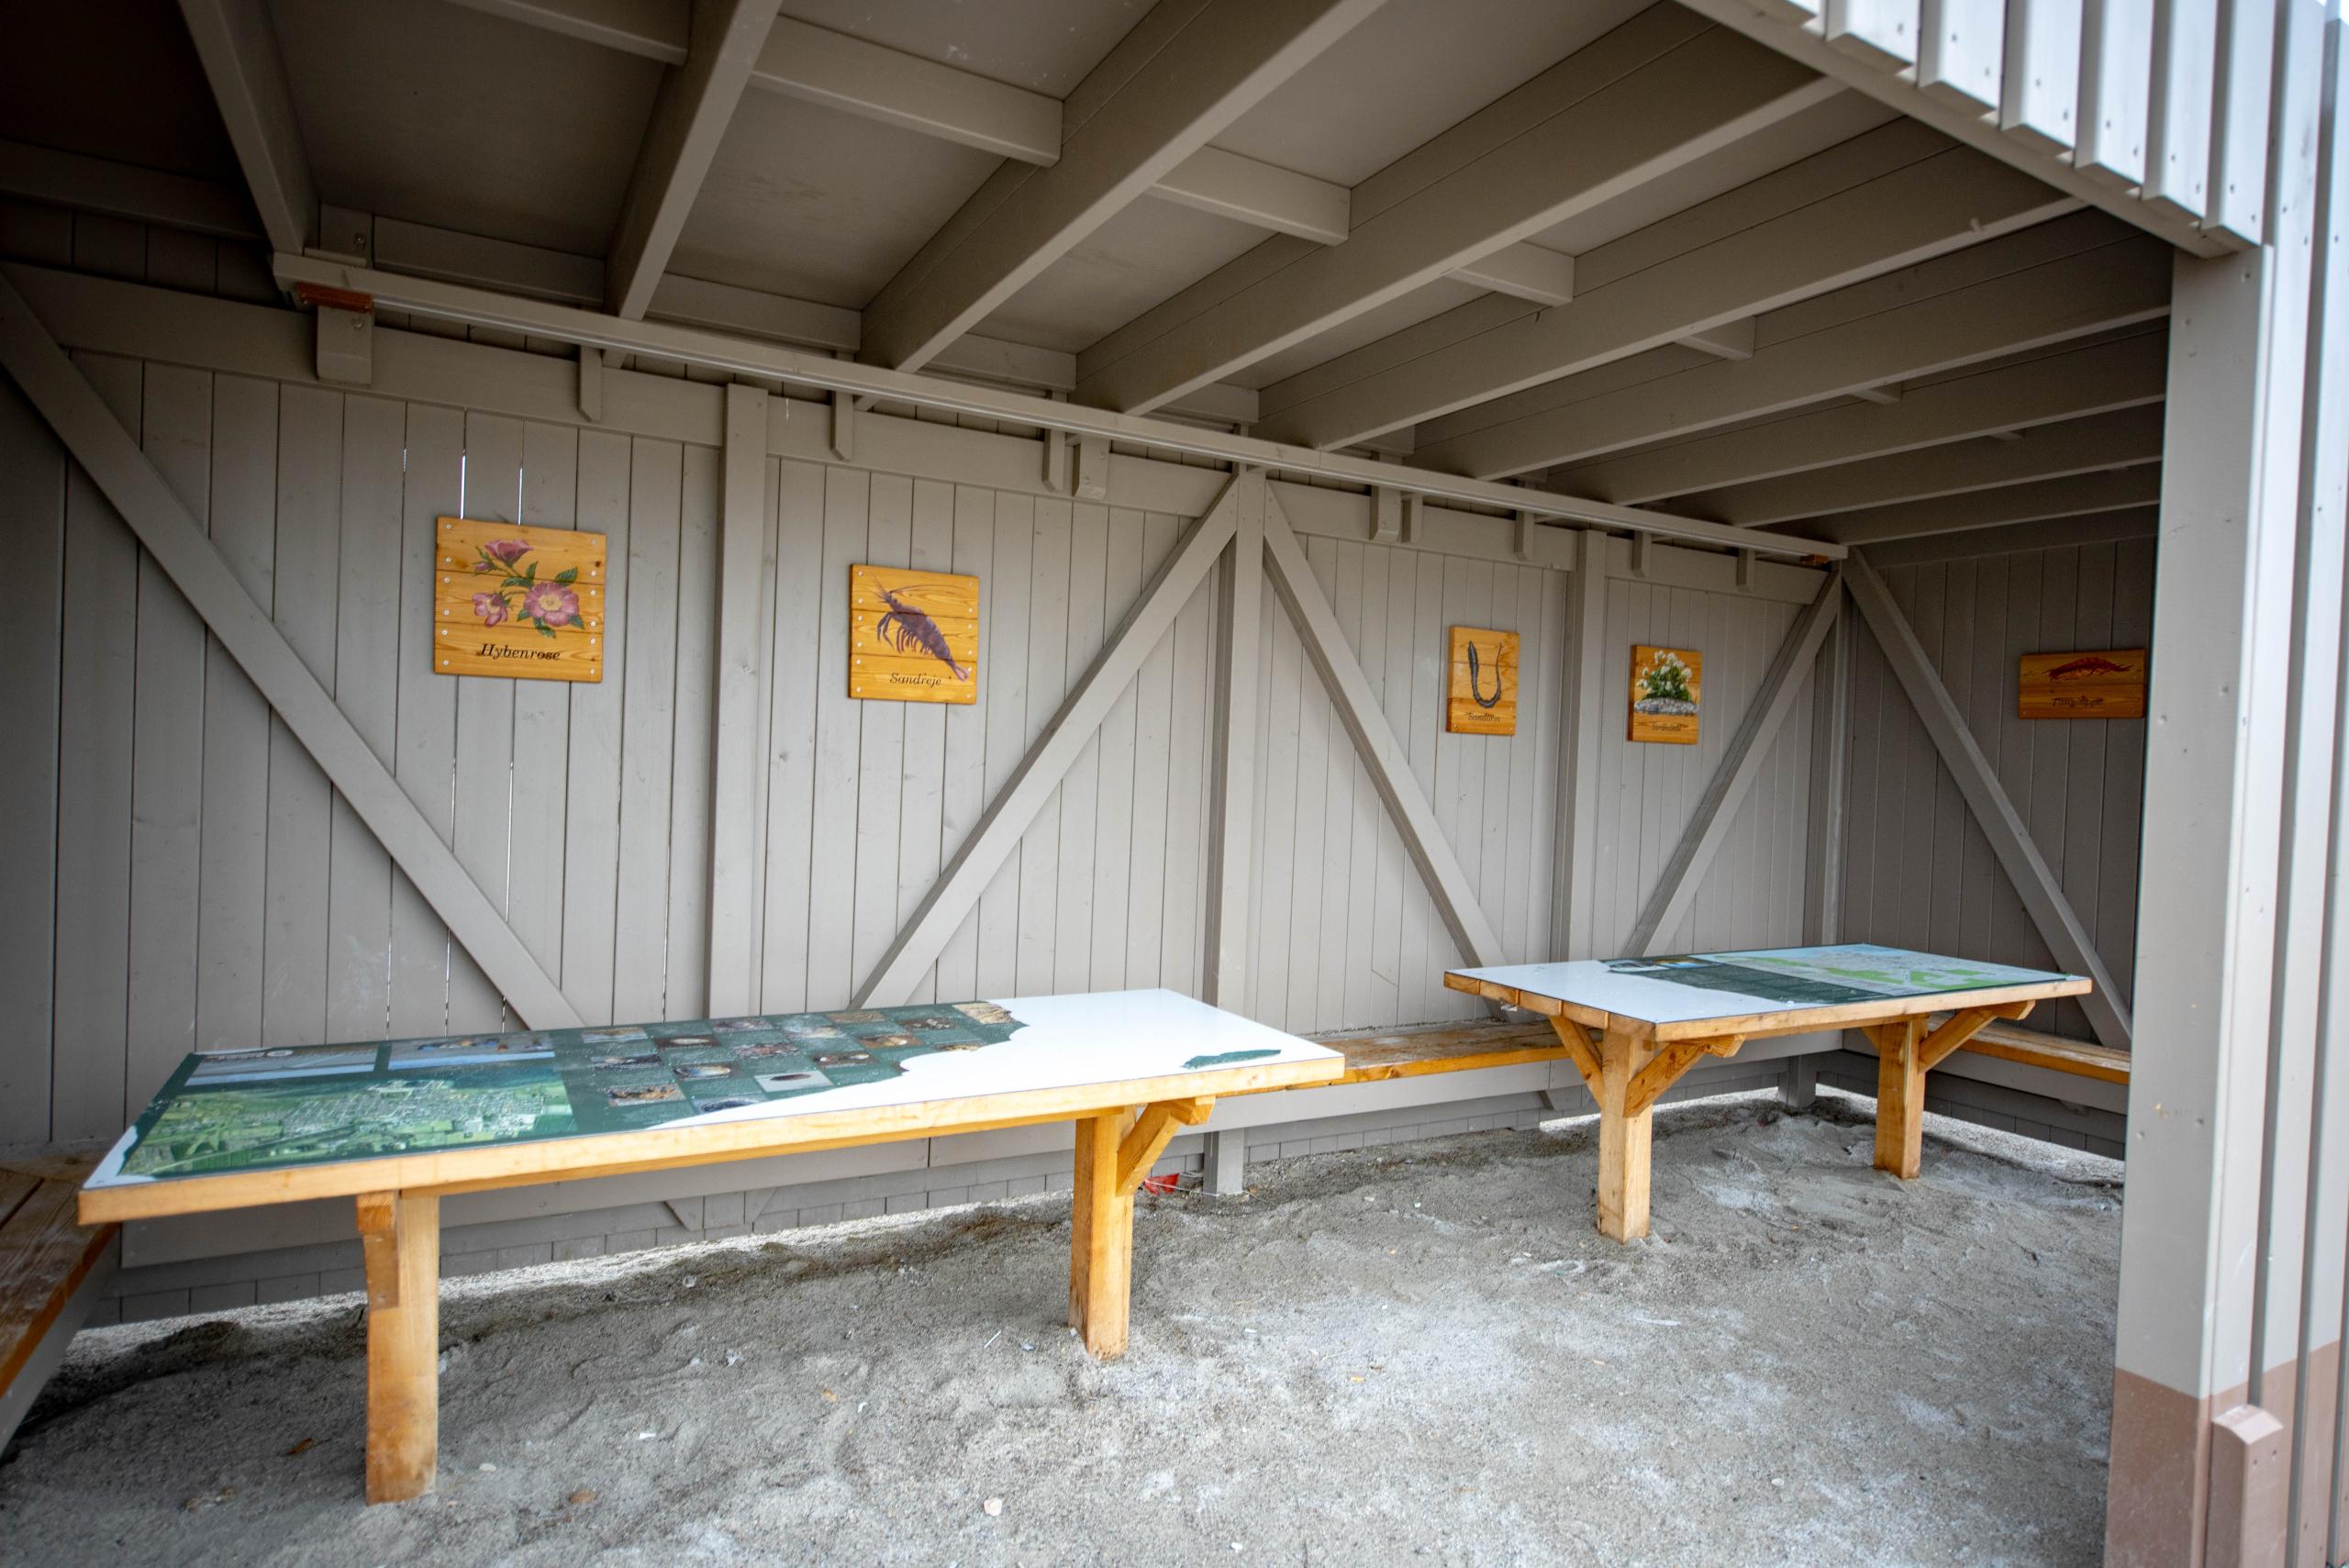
[
  {"x": 912, "y": 636},
  {"x": 1483, "y": 694}
]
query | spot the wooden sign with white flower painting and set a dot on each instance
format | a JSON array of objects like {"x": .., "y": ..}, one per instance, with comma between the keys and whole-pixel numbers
[{"x": 526, "y": 604}]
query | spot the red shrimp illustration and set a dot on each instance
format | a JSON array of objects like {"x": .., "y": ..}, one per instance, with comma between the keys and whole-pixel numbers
[{"x": 906, "y": 628}]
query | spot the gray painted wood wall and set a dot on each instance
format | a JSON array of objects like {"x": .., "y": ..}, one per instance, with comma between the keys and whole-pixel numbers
[{"x": 1917, "y": 869}]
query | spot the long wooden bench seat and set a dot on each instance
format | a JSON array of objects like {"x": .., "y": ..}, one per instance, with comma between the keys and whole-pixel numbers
[
  {"x": 2033, "y": 1048},
  {"x": 1375, "y": 1058},
  {"x": 1371, "y": 1058},
  {"x": 2009, "y": 1042},
  {"x": 51, "y": 1268}
]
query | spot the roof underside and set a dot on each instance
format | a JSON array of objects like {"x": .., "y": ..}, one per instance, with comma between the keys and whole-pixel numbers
[{"x": 1608, "y": 247}]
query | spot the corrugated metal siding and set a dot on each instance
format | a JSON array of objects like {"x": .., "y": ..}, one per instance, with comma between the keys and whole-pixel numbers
[{"x": 1917, "y": 869}]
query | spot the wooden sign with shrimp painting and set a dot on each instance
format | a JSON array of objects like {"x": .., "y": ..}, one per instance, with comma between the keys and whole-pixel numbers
[
  {"x": 2106, "y": 684},
  {"x": 526, "y": 604},
  {"x": 912, "y": 636}
]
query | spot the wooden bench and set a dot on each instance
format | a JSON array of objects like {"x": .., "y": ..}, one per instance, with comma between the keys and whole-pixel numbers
[
  {"x": 1374, "y": 1059},
  {"x": 1378, "y": 1058},
  {"x": 52, "y": 1270}
]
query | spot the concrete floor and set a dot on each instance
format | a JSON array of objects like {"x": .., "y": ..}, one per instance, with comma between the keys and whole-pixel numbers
[{"x": 1421, "y": 1352}]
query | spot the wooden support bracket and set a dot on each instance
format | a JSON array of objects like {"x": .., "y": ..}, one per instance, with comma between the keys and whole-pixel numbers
[
  {"x": 1141, "y": 1148},
  {"x": 1580, "y": 1043},
  {"x": 1961, "y": 1027},
  {"x": 1650, "y": 1083}
]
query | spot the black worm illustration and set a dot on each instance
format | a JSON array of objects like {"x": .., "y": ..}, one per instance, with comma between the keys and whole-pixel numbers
[{"x": 1475, "y": 687}]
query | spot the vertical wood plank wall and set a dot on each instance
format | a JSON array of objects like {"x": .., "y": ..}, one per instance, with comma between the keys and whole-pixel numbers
[
  {"x": 1917, "y": 869},
  {"x": 1753, "y": 893},
  {"x": 178, "y": 874}
]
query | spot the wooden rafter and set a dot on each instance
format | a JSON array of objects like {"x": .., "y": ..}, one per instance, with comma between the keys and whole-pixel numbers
[
  {"x": 2072, "y": 384},
  {"x": 2126, "y": 438},
  {"x": 178, "y": 544},
  {"x": 1208, "y": 61},
  {"x": 1981, "y": 307},
  {"x": 1946, "y": 203},
  {"x": 237, "y": 45},
  {"x": 1657, "y": 92},
  {"x": 689, "y": 118}
]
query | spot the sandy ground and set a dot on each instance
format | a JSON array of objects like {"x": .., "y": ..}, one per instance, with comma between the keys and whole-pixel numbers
[{"x": 1418, "y": 1354}]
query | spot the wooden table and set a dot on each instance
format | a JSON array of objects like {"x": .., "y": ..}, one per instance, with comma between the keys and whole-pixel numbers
[
  {"x": 398, "y": 1126},
  {"x": 1632, "y": 1026}
]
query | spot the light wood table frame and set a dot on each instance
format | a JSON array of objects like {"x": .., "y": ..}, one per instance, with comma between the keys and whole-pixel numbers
[
  {"x": 1122, "y": 1129},
  {"x": 1627, "y": 1061}
]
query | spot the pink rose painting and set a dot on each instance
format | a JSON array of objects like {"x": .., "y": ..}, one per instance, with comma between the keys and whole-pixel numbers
[
  {"x": 549, "y": 604},
  {"x": 545, "y": 605}
]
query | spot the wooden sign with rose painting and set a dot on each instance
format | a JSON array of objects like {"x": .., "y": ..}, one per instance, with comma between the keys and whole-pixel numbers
[{"x": 526, "y": 604}]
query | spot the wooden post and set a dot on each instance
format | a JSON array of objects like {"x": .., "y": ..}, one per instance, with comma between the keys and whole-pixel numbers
[
  {"x": 1101, "y": 1237},
  {"x": 1623, "y": 1138},
  {"x": 1900, "y": 1098},
  {"x": 400, "y": 1236}
]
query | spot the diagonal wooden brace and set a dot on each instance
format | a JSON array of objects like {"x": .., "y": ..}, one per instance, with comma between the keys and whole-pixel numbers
[
  {"x": 1141, "y": 1148},
  {"x": 1959, "y": 1028},
  {"x": 1578, "y": 1043},
  {"x": 1674, "y": 1060}
]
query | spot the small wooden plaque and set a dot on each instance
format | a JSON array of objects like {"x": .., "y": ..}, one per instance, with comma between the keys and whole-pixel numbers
[
  {"x": 912, "y": 636},
  {"x": 2110, "y": 683},
  {"x": 521, "y": 603},
  {"x": 1667, "y": 691},
  {"x": 1482, "y": 689}
]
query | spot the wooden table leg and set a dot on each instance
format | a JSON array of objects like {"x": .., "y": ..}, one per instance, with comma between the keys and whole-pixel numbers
[
  {"x": 1624, "y": 1137},
  {"x": 400, "y": 1235},
  {"x": 1900, "y": 1098},
  {"x": 1101, "y": 1245}
]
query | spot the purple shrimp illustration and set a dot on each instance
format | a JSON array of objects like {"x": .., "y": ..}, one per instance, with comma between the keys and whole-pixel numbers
[{"x": 905, "y": 627}]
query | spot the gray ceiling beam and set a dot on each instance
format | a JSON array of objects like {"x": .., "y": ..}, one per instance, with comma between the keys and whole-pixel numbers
[
  {"x": 1945, "y": 203},
  {"x": 2124, "y": 439},
  {"x": 2071, "y": 384},
  {"x": 1657, "y": 92},
  {"x": 1849, "y": 162},
  {"x": 689, "y": 118},
  {"x": 2079, "y": 495},
  {"x": 1995, "y": 299},
  {"x": 1188, "y": 69},
  {"x": 238, "y": 49}
]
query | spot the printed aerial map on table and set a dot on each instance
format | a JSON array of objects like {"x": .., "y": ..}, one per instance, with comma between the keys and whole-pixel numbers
[
  {"x": 1825, "y": 976},
  {"x": 249, "y": 1110}
]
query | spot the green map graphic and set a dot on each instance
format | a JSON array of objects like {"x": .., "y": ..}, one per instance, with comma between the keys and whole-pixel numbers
[
  {"x": 1825, "y": 976},
  {"x": 307, "y": 1105}
]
